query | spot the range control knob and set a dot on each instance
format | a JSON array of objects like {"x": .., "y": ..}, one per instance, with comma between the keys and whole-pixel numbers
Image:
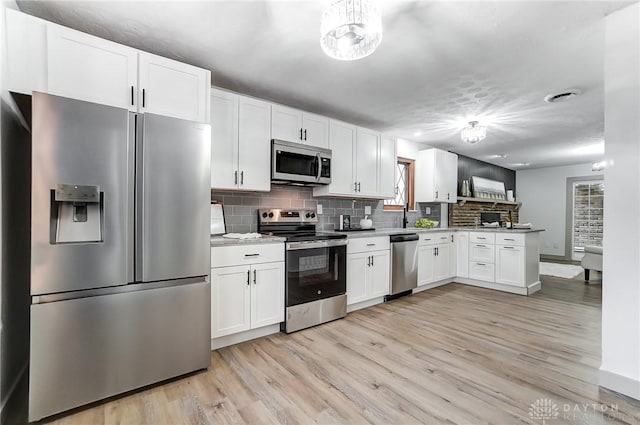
[
  {"x": 270, "y": 215},
  {"x": 313, "y": 215},
  {"x": 264, "y": 215},
  {"x": 308, "y": 215}
]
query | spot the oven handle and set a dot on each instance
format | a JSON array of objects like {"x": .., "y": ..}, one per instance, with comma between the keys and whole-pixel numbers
[{"x": 294, "y": 246}]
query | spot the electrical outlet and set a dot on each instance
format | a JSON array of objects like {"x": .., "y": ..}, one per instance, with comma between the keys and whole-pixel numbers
[
  {"x": 319, "y": 209},
  {"x": 427, "y": 210},
  {"x": 367, "y": 209}
]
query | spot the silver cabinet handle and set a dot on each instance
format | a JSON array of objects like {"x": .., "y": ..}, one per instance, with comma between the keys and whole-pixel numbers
[
  {"x": 369, "y": 261},
  {"x": 482, "y": 238},
  {"x": 248, "y": 276},
  {"x": 371, "y": 244},
  {"x": 254, "y": 276},
  {"x": 451, "y": 238},
  {"x": 436, "y": 194},
  {"x": 235, "y": 177},
  {"x": 251, "y": 255},
  {"x": 359, "y": 187},
  {"x": 241, "y": 177},
  {"x": 355, "y": 186},
  {"x": 448, "y": 196},
  {"x": 507, "y": 239},
  {"x": 481, "y": 264},
  {"x": 509, "y": 247},
  {"x": 372, "y": 257},
  {"x": 481, "y": 246}
]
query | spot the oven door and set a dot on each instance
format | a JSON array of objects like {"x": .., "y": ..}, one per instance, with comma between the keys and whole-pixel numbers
[{"x": 315, "y": 272}]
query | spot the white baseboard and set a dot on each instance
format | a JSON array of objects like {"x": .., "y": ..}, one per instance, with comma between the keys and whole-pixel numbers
[
  {"x": 12, "y": 388},
  {"x": 225, "y": 341},
  {"x": 365, "y": 304},
  {"x": 619, "y": 383},
  {"x": 520, "y": 290},
  {"x": 432, "y": 285}
]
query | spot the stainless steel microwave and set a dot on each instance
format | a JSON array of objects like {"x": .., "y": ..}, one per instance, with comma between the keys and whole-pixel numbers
[{"x": 297, "y": 164}]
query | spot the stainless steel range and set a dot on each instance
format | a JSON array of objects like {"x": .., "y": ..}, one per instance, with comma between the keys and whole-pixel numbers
[{"x": 316, "y": 268}]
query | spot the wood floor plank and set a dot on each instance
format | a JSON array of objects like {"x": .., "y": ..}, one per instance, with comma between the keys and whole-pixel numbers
[{"x": 451, "y": 355}]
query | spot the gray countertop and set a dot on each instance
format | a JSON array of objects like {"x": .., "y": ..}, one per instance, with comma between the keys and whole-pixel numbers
[
  {"x": 395, "y": 231},
  {"x": 220, "y": 241}
]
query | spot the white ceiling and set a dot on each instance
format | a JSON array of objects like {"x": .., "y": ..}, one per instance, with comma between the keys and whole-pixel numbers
[{"x": 440, "y": 65}]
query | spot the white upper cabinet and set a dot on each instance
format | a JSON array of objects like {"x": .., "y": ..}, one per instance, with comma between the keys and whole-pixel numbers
[
  {"x": 240, "y": 147},
  {"x": 172, "y": 88},
  {"x": 254, "y": 146},
  {"x": 368, "y": 151},
  {"x": 26, "y": 38},
  {"x": 362, "y": 164},
  {"x": 388, "y": 167},
  {"x": 436, "y": 178},
  {"x": 224, "y": 140},
  {"x": 286, "y": 123},
  {"x": 315, "y": 130},
  {"x": 43, "y": 56},
  {"x": 84, "y": 67},
  {"x": 293, "y": 125}
]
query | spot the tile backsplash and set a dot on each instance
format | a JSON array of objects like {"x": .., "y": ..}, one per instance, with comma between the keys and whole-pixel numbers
[{"x": 240, "y": 208}]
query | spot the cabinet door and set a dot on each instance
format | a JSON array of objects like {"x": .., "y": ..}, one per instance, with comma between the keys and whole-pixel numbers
[
  {"x": 254, "y": 158},
  {"x": 387, "y": 168},
  {"x": 224, "y": 140},
  {"x": 446, "y": 176},
  {"x": 510, "y": 265},
  {"x": 442, "y": 263},
  {"x": 84, "y": 67},
  {"x": 173, "y": 88},
  {"x": 342, "y": 141},
  {"x": 379, "y": 271},
  {"x": 462, "y": 248},
  {"x": 267, "y": 294},
  {"x": 26, "y": 39},
  {"x": 286, "y": 123},
  {"x": 357, "y": 273},
  {"x": 367, "y": 146},
  {"x": 426, "y": 260},
  {"x": 315, "y": 130},
  {"x": 230, "y": 300}
]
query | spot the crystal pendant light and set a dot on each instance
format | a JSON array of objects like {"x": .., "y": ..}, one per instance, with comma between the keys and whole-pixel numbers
[
  {"x": 350, "y": 29},
  {"x": 474, "y": 133}
]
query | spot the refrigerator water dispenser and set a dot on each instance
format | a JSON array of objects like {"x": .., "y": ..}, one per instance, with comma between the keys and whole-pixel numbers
[{"x": 76, "y": 214}]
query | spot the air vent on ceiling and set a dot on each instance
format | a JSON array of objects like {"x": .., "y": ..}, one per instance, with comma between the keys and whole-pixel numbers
[{"x": 562, "y": 97}]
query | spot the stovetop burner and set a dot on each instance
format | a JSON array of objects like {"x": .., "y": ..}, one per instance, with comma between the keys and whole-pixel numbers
[{"x": 294, "y": 225}]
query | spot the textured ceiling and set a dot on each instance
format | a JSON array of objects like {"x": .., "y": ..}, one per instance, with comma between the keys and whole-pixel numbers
[{"x": 440, "y": 65}]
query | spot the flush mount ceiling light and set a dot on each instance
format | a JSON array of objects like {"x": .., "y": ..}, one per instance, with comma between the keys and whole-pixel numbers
[
  {"x": 350, "y": 29},
  {"x": 474, "y": 133}
]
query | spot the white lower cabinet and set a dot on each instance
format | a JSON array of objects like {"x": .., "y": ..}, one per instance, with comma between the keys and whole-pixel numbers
[
  {"x": 248, "y": 295},
  {"x": 510, "y": 265},
  {"x": 462, "y": 248},
  {"x": 436, "y": 257},
  {"x": 368, "y": 264}
]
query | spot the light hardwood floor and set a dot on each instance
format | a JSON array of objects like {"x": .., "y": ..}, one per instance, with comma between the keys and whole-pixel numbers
[{"x": 451, "y": 355}]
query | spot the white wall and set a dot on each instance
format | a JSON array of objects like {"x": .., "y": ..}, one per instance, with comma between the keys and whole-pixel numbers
[
  {"x": 620, "y": 369},
  {"x": 543, "y": 193}
]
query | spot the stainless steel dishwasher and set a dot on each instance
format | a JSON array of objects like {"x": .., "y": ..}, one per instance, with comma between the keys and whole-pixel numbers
[{"x": 404, "y": 264}]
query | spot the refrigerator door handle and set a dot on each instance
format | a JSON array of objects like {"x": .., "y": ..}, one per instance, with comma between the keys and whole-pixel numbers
[
  {"x": 139, "y": 195},
  {"x": 131, "y": 193}
]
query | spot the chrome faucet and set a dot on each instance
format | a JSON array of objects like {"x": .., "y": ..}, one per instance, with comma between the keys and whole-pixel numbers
[{"x": 405, "y": 221}]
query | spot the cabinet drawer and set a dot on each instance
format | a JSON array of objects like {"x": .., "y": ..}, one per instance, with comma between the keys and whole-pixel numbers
[
  {"x": 482, "y": 252},
  {"x": 237, "y": 255},
  {"x": 516, "y": 239},
  {"x": 482, "y": 271},
  {"x": 377, "y": 243},
  {"x": 482, "y": 237}
]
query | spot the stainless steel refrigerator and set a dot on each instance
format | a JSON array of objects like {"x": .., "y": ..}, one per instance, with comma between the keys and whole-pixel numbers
[{"x": 119, "y": 251}]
